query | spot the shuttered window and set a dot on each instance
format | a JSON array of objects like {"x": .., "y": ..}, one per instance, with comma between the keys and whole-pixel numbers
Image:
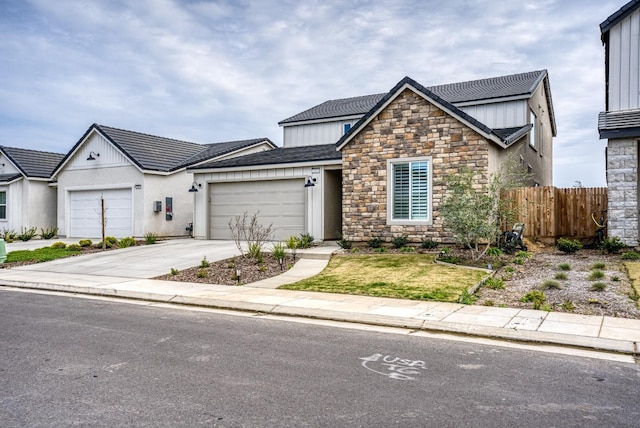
[{"x": 410, "y": 191}]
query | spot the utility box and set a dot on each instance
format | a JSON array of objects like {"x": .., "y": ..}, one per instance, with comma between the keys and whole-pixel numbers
[
  {"x": 157, "y": 206},
  {"x": 169, "y": 209}
]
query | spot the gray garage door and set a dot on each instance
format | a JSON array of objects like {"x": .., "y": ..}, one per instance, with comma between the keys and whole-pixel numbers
[
  {"x": 85, "y": 217},
  {"x": 280, "y": 202}
]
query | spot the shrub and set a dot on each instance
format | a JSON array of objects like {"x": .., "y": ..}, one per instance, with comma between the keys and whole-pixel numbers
[
  {"x": 494, "y": 283},
  {"x": 568, "y": 305},
  {"x": 9, "y": 235},
  {"x": 428, "y": 244},
  {"x": 202, "y": 273},
  {"x": 509, "y": 269},
  {"x": 380, "y": 250},
  {"x": 568, "y": 246},
  {"x": 631, "y": 255},
  {"x": 48, "y": 233},
  {"x": 375, "y": 243},
  {"x": 74, "y": 247},
  {"x": 85, "y": 242},
  {"x": 174, "y": 271},
  {"x": 537, "y": 297},
  {"x": 344, "y": 243},
  {"x": 399, "y": 242},
  {"x": 127, "y": 242},
  {"x": 278, "y": 251},
  {"x": 598, "y": 286},
  {"x": 595, "y": 274},
  {"x": 292, "y": 244},
  {"x": 111, "y": 241},
  {"x": 150, "y": 238},
  {"x": 27, "y": 234},
  {"x": 613, "y": 245},
  {"x": 518, "y": 261},
  {"x": 204, "y": 263},
  {"x": 60, "y": 245},
  {"x": 561, "y": 275},
  {"x": 523, "y": 254},
  {"x": 466, "y": 298},
  {"x": 254, "y": 251},
  {"x": 598, "y": 265},
  {"x": 494, "y": 252},
  {"x": 305, "y": 241},
  {"x": 407, "y": 249},
  {"x": 564, "y": 266},
  {"x": 551, "y": 284}
]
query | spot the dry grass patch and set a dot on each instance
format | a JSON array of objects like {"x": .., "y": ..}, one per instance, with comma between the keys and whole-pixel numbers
[
  {"x": 405, "y": 276},
  {"x": 633, "y": 269}
]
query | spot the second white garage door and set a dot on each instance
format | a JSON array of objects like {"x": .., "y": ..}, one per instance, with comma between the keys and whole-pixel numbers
[
  {"x": 85, "y": 218},
  {"x": 280, "y": 202}
]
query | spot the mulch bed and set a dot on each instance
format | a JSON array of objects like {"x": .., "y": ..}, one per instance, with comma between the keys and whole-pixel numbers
[{"x": 223, "y": 272}]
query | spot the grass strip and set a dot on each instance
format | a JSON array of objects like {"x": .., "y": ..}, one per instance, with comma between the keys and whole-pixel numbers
[{"x": 404, "y": 276}]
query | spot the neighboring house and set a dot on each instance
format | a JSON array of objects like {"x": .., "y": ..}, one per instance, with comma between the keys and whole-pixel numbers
[
  {"x": 141, "y": 178},
  {"x": 26, "y": 198},
  {"x": 620, "y": 123},
  {"x": 334, "y": 171}
]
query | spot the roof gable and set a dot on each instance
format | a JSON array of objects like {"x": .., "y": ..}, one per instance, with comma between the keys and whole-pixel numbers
[
  {"x": 32, "y": 163},
  {"x": 154, "y": 153},
  {"x": 473, "y": 91},
  {"x": 618, "y": 16},
  {"x": 408, "y": 83}
]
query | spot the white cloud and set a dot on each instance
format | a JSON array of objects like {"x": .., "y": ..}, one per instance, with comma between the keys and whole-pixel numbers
[{"x": 219, "y": 70}]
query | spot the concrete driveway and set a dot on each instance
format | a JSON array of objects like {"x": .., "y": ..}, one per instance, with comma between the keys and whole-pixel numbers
[{"x": 146, "y": 261}]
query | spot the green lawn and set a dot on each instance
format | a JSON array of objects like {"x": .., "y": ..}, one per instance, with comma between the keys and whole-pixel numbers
[
  {"x": 404, "y": 276},
  {"x": 39, "y": 255}
]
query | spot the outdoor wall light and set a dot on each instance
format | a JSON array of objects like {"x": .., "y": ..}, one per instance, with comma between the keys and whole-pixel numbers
[
  {"x": 91, "y": 158},
  {"x": 194, "y": 188},
  {"x": 311, "y": 181},
  {"x": 238, "y": 273}
]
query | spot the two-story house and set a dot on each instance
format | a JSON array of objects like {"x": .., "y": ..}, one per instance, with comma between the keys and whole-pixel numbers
[
  {"x": 620, "y": 122},
  {"x": 373, "y": 166}
]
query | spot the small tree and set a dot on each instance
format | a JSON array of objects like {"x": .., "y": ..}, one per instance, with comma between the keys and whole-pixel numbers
[
  {"x": 474, "y": 211},
  {"x": 248, "y": 230}
]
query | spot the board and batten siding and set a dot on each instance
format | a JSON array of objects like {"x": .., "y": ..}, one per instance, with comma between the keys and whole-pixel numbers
[
  {"x": 314, "y": 133},
  {"x": 506, "y": 114},
  {"x": 624, "y": 64},
  {"x": 109, "y": 155}
]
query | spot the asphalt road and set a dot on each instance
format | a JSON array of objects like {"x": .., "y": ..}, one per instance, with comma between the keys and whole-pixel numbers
[{"x": 67, "y": 361}]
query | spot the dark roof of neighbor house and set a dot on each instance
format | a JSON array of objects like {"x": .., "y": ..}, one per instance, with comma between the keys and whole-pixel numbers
[
  {"x": 474, "y": 90},
  {"x": 280, "y": 155},
  {"x": 154, "y": 153},
  {"x": 619, "y": 124},
  {"x": 618, "y": 16},
  {"x": 32, "y": 163}
]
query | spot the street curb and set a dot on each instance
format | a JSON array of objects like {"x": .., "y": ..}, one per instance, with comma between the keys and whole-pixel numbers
[{"x": 511, "y": 335}]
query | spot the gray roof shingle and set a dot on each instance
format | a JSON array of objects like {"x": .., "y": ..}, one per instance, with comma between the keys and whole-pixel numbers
[
  {"x": 154, "y": 153},
  {"x": 280, "y": 155},
  {"x": 619, "y": 124},
  {"x": 32, "y": 163},
  {"x": 474, "y": 90},
  {"x": 618, "y": 16}
]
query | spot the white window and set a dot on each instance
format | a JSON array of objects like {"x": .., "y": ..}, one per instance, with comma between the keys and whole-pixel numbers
[
  {"x": 409, "y": 191},
  {"x": 533, "y": 136},
  {"x": 3, "y": 205}
]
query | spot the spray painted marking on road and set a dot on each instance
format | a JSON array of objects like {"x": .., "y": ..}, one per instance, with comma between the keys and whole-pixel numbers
[{"x": 393, "y": 367}]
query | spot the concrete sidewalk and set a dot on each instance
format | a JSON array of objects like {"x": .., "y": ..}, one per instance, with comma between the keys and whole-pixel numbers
[{"x": 118, "y": 274}]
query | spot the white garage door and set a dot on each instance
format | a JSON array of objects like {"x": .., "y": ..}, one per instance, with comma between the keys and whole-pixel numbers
[
  {"x": 85, "y": 218},
  {"x": 280, "y": 202}
]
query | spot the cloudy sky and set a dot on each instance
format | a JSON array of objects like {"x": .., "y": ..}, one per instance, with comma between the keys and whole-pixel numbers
[{"x": 210, "y": 71}]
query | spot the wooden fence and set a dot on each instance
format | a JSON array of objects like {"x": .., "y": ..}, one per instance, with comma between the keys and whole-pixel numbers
[{"x": 549, "y": 213}]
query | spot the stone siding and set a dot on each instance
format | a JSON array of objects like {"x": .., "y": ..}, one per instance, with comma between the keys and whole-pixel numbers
[
  {"x": 408, "y": 127},
  {"x": 622, "y": 183}
]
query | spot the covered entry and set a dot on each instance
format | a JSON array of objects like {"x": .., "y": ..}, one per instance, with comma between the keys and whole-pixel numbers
[
  {"x": 86, "y": 212},
  {"x": 280, "y": 202}
]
